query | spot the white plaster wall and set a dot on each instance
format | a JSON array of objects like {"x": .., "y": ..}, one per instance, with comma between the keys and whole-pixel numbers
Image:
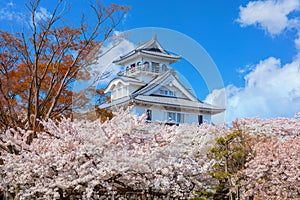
[
  {"x": 118, "y": 92},
  {"x": 138, "y": 110},
  {"x": 191, "y": 118},
  {"x": 132, "y": 88},
  {"x": 145, "y": 78},
  {"x": 207, "y": 119},
  {"x": 157, "y": 114},
  {"x": 160, "y": 115}
]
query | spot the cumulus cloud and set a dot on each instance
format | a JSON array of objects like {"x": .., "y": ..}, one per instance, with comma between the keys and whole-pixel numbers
[
  {"x": 270, "y": 15},
  {"x": 271, "y": 90}
]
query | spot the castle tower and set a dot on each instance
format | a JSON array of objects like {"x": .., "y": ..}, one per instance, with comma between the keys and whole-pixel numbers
[{"x": 151, "y": 86}]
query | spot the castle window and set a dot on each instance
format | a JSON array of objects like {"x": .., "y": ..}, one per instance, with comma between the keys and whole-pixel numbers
[
  {"x": 155, "y": 67},
  {"x": 146, "y": 66},
  {"x": 180, "y": 118},
  {"x": 172, "y": 116},
  {"x": 132, "y": 67},
  {"x": 166, "y": 92},
  {"x": 149, "y": 115},
  {"x": 156, "y": 70},
  {"x": 164, "y": 68},
  {"x": 200, "y": 119},
  {"x": 176, "y": 117}
]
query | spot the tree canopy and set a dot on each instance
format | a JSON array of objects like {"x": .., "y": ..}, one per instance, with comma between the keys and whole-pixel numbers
[{"x": 39, "y": 64}]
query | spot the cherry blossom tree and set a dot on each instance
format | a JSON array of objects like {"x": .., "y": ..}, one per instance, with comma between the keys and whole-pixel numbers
[
  {"x": 121, "y": 157},
  {"x": 256, "y": 158},
  {"x": 274, "y": 173},
  {"x": 127, "y": 158}
]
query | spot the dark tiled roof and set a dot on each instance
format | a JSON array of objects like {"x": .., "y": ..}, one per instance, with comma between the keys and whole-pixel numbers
[{"x": 152, "y": 48}]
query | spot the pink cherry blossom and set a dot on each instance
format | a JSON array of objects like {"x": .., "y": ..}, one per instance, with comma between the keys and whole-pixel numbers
[{"x": 91, "y": 160}]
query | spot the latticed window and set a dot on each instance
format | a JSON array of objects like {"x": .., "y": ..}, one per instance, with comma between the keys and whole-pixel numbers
[
  {"x": 155, "y": 67},
  {"x": 171, "y": 116},
  {"x": 164, "y": 68},
  {"x": 149, "y": 115},
  {"x": 180, "y": 118},
  {"x": 166, "y": 92},
  {"x": 146, "y": 66},
  {"x": 176, "y": 117}
]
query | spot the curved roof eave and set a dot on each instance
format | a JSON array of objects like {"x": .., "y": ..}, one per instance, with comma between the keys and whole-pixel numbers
[
  {"x": 123, "y": 60},
  {"x": 116, "y": 80}
]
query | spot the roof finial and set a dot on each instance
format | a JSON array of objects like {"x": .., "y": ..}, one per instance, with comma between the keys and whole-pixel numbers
[{"x": 155, "y": 36}]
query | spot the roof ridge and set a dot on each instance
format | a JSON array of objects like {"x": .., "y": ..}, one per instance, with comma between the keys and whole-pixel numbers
[
  {"x": 144, "y": 43},
  {"x": 151, "y": 47}
]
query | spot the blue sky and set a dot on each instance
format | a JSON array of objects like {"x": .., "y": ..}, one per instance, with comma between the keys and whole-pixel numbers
[{"x": 254, "y": 44}]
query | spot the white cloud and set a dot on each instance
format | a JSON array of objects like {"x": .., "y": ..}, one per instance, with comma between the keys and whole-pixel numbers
[
  {"x": 270, "y": 90},
  {"x": 5, "y": 14},
  {"x": 118, "y": 46},
  {"x": 8, "y": 12},
  {"x": 297, "y": 42},
  {"x": 10, "y": 4},
  {"x": 104, "y": 68},
  {"x": 42, "y": 14},
  {"x": 270, "y": 15}
]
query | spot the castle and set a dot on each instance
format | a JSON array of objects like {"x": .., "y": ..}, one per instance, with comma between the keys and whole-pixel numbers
[{"x": 151, "y": 86}]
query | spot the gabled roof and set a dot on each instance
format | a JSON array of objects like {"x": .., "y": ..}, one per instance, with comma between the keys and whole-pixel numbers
[
  {"x": 162, "y": 80},
  {"x": 143, "y": 95},
  {"x": 156, "y": 82},
  {"x": 151, "y": 48}
]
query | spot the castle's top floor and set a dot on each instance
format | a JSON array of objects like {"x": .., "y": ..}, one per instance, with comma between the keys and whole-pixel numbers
[
  {"x": 150, "y": 50},
  {"x": 146, "y": 61}
]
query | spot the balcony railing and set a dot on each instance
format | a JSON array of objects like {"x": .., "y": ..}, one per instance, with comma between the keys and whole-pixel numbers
[{"x": 141, "y": 68}]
